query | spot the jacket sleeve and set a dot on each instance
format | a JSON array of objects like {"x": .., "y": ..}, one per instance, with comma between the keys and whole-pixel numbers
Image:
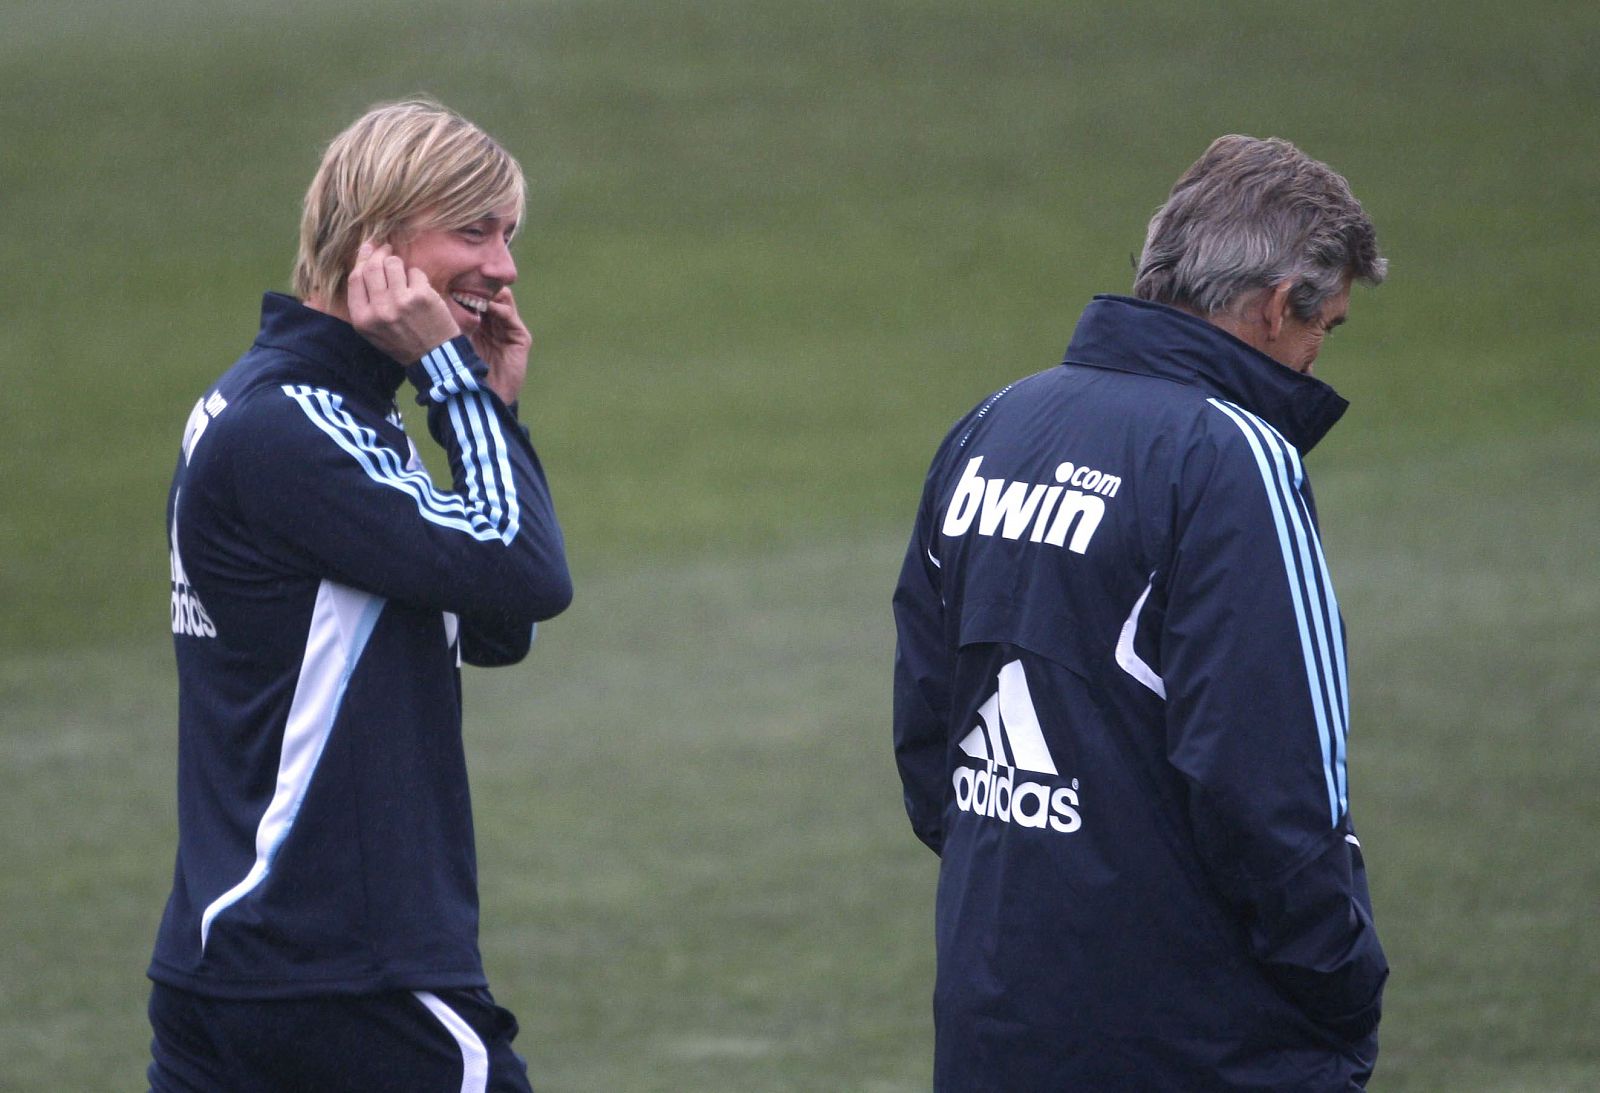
[
  {"x": 923, "y": 664},
  {"x": 317, "y": 484},
  {"x": 1253, "y": 657}
]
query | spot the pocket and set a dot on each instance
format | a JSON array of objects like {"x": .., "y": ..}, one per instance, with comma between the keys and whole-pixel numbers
[{"x": 488, "y": 1018}]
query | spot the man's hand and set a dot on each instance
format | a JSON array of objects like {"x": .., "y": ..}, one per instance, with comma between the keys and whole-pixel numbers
[
  {"x": 503, "y": 341},
  {"x": 395, "y": 308}
]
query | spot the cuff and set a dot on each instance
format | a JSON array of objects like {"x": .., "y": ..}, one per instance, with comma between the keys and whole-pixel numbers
[{"x": 447, "y": 370}]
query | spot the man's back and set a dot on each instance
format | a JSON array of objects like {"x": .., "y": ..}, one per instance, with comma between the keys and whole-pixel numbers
[{"x": 1069, "y": 709}]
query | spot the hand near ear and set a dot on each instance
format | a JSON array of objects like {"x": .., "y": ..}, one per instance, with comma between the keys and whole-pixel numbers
[
  {"x": 503, "y": 341},
  {"x": 395, "y": 308}
]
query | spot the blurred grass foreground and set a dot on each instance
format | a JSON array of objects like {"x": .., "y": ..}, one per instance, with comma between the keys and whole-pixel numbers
[{"x": 772, "y": 251}]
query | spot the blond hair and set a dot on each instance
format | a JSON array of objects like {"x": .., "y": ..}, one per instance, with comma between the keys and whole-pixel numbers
[{"x": 400, "y": 167}]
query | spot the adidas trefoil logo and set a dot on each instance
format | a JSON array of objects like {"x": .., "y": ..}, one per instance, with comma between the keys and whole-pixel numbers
[{"x": 1007, "y": 740}]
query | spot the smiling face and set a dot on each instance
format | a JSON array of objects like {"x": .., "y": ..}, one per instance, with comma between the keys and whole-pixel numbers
[{"x": 466, "y": 264}]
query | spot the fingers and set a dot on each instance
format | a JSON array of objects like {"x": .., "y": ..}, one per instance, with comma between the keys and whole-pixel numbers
[
  {"x": 369, "y": 279},
  {"x": 378, "y": 267},
  {"x": 379, "y": 280},
  {"x": 393, "y": 272},
  {"x": 382, "y": 270},
  {"x": 395, "y": 307},
  {"x": 503, "y": 312},
  {"x": 356, "y": 283}
]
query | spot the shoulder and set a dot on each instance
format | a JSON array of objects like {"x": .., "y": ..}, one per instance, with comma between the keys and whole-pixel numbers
[
  {"x": 279, "y": 431},
  {"x": 1234, "y": 464},
  {"x": 256, "y": 413},
  {"x": 994, "y": 406},
  {"x": 1246, "y": 440}
]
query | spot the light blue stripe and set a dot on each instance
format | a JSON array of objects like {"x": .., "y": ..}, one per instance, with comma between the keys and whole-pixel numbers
[
  {"x": 513, "y": 510},
  {"x": 382, "y": 465},
  {"x": 483, "y": 450},
  {"x": 466, "y": 415},
  {"x": 1336, "y": 641},
  {"x": 1264, "y": 465},
  {"x": 1340, "y": 681},
  {"x": 431, "y": 366},
  {"x": 1315, "y": 579},
  {"x": 478, "y": 431},
  {"x": 267, "y": 856},
  {"x": 369, "y": 450},
  {"x": 1317, "y": 587},
  {"x": 471, "y": 460},
  {"x": 468, "y": 382}
]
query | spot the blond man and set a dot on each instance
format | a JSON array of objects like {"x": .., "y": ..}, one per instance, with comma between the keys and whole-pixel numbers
[{"x": 322, "y": 928}]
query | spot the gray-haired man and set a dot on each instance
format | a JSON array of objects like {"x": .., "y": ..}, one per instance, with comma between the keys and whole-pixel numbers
[{"x": 1120, "y": 699}]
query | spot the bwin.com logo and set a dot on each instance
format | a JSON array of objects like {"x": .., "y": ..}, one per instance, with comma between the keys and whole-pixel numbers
[{"x": 1007, "y": 740}]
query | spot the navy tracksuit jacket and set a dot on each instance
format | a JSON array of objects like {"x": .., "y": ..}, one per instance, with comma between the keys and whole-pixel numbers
[
  {"x": 324, "y": 594},
  {"x": 1121, "y": 718}
]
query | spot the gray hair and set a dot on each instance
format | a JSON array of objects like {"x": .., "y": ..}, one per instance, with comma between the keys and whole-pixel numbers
[{"x": 1251, "y": 214}]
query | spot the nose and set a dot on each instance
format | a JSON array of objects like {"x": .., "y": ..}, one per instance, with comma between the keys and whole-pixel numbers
[{"x": 498, "y": 265}]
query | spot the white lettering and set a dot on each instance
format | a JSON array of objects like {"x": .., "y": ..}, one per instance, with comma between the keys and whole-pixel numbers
[
  {"x": 992, "y": 794},
  {"x": 194, "y": 428},
  {"x": 1001, "y": 806},
  {"x": 188, "y": 617},
  {"x": 1064, "y": 802},
  {"x": 1076, "y": 504},
  {"x": 1036, "y": 816},
  {"x": 1048, "y": 514},
  {"x": 1050, "y": 496},
  {"x": 1015, "y": 503},
  {"x": 967, "y": 500},
  {"x": 199, "y": 418},
  {"x": 965, "y": 787}
]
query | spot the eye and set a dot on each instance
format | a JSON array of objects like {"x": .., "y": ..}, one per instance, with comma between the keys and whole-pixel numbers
[{"x": 474, "y": 232}]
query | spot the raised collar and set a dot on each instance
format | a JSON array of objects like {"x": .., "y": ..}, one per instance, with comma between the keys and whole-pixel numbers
[
  {"x": 329, "y": 345},
  {"x": 1129, "y": 335}
]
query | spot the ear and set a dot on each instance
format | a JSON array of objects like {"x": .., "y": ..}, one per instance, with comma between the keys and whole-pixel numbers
[{"x": 1275, "y": 308}]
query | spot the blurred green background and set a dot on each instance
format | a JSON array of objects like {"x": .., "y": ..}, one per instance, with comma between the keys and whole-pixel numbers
[{"x": 772, "y": 251}]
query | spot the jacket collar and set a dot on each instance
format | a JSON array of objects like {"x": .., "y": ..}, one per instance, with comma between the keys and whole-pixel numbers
[
  {"x": 1128, "y": 335},
  {"x": 331, "y": 346}
]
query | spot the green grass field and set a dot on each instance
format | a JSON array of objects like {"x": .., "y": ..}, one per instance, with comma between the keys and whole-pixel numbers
[{"x": 772, "y": 250}]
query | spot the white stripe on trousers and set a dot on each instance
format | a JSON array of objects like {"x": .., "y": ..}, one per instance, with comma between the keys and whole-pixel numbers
[{"x": 474, "y": 1056}]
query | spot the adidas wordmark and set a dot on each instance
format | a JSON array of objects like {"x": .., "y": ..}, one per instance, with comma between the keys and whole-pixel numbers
[{"x": 1008, "y": 740}]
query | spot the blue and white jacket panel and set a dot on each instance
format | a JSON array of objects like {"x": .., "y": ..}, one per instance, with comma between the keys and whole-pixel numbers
[
  {"x": 1120, "y": 718},
  {"x": 324, "y": 594}
]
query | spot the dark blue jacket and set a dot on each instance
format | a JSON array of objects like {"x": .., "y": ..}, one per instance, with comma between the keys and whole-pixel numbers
[
  {"x": 1120, "y": 719},
  {"x": 324, "y": 594}
]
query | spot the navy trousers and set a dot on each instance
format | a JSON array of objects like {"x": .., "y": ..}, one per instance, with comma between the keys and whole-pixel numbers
[{"x": 446, "y": 1041}]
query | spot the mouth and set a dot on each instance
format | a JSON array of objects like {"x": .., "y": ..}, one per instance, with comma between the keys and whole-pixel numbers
[{"x": 473, "y": 305}]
